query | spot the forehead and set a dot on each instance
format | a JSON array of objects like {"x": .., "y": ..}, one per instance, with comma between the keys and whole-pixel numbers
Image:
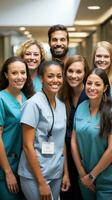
[
  {"x": 17, "y": 65},
  {"x": 102, "y": 51},
  {"x": 76, "y": 65},
  {"x": 59, "y": 34},
  {"x": 32, "y": 48},
  {"x": 94, "y": 77},
  {"x": 53, "y": 69}
]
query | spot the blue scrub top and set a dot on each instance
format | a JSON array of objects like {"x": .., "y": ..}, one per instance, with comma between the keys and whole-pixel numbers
[
  {"x": 10, "y": 112},
  {"x": 40, "y": 118},
  {"x": 37, "y": 84}
]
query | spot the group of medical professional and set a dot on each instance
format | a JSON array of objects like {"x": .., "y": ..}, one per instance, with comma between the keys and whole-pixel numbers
[{"x": 56, "y": 122}]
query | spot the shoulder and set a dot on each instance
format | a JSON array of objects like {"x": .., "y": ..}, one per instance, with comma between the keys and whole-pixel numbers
[{"x": 82, "y": 107}]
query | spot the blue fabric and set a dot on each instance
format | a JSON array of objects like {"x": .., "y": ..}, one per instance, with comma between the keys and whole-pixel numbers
[
  {"x": 41, "y": 119},
  {"x": 37, "y": 84}
]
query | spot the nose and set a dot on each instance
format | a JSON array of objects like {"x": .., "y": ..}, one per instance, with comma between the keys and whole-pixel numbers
[
  {"x": 55, "y": 79},
  {"x": 92, "y": 87},
  {"x": 102, "y": 58},
  {"x": 58, "y": 42},
  {"x": 19, "y": 75}
]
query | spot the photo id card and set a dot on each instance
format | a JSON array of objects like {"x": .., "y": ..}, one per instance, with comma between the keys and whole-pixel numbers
[{"x": 48, "y": 148}]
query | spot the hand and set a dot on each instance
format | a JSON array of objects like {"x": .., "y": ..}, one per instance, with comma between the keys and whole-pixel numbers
[
  {"x": 65, "y": 183},
  {"x": 87, "y": 182},
  {"x": 12, "y": 182},
  {"x": 45, "y": 192}
]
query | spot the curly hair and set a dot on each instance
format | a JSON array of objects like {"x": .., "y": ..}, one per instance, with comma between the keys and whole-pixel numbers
[
  {"x": 27, "y": 89},
  {"x": 22, "y": 49}
]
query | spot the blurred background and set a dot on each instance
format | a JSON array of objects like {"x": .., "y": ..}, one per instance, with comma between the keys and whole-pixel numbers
[{"x": 87, "y": 21}]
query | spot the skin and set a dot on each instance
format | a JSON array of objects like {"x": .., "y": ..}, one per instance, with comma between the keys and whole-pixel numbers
[
  {"x": 52, "y": 81},
  {"x": 102, "y": 58},
  {"x": 58, "y": 44},
  {"x": 75, "y": 76},
  {"x": 17, "y": 77},
  {"x": 33, "y": 58},
  {"x": 94, "y": 89}
]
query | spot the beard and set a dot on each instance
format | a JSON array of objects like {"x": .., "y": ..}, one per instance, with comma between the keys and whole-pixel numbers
[{"x": 59, "y": 54}]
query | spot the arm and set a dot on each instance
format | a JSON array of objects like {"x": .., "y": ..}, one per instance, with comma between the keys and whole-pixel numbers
[
  {"x": 105, "y": 160},
  {"x": 4, "y": 164},
  {"x": 65, "y": 180},
  {"x": 103, "y": 163},
  {"x": 28, "y": 142},
  {"x": 76, "y": 155}
]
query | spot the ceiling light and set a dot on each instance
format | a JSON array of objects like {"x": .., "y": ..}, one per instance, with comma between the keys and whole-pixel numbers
[
  {"x": 29, "y": 36},
  {"x": 94, "y": 7},
  {"x": 78, "y": 34},
  {"x": 22, "y": 28},
  {"x": 26, "y": 32},
  {"x": 71, "y": 28}
]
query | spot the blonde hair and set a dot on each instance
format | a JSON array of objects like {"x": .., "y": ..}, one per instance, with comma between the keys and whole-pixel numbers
[
  {"x": 106, "y": 45},
  {"x": 22, "y": 49}
]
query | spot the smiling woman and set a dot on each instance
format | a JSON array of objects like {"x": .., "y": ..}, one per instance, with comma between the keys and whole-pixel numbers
[
  {"x": 15, "y": 88},
  {"x": 43, "y": 138}
]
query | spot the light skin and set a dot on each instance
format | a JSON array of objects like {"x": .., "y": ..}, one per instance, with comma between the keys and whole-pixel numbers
[
  {"x": 59, "y": 44},
  {"x": 52, "y": 81},
  {"x": 94, "y": 89},
  {"x": 33, "y": 58},
  {"x": 75, "y": 76},
  {"x": 102, "y": 58},
  {"x": 17, "y": 77}
]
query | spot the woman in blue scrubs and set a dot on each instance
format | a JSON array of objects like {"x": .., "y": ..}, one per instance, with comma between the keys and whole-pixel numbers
[
  {"x": 15, "y": 88},
  {"x": 72, "y": 94},
  {"x": 44, "y": 154},
  {"x": 34, "y": 54},
  {"x": 92, "y": 139}
]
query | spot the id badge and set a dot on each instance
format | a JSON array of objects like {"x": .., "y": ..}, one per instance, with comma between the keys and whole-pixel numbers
[{"x": 48, "y": 148}]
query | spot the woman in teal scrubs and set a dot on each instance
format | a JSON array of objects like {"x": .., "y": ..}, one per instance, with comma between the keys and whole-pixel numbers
[
  {"x": 15, "y": 88},
  {"x": 34, "y": 54},
  {"x": 92, "y": 139}
]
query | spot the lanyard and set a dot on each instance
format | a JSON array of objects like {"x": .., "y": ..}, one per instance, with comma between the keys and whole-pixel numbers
[{"x": 50, "y": 131}]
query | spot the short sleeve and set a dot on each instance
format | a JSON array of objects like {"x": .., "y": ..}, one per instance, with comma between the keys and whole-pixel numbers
[
  {"x": 2, "y": 113},
  {"x": 30, "y": 114}
]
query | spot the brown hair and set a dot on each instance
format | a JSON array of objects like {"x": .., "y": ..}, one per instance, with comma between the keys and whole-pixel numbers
[{"x": 66, "y": 91}]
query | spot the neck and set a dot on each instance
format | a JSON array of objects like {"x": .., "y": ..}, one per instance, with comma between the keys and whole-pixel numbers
[
  {"x": 33, "y": 73},
  {"x": 51, "y": 98},
  {"x": 77, "y": 90},
  {"x": 13, "y": 91},
  {"x": 94, "y": 106}
]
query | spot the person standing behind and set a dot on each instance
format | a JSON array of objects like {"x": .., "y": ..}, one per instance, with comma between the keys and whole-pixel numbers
[
  {"x": 72, "y": 94},
  {"x": 92, "y": 138},
  {"x": 58, "y": 39},
  {"x": 44, "y": 154},
  {"x": 102, "y": 57},
  {"x": 34, "y": 54},
  {"x": 15, "y": 87}
]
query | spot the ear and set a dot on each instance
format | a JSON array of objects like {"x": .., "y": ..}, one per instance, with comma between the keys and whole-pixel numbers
[
  {"x": 105, "y": 88},
  {"x": 6, "y": 75}
]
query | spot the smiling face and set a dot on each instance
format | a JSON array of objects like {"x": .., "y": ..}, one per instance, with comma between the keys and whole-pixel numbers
[
  {"x": 95, "y": 87},
  {"x": 32, "y": 56},
  {"x": 16, "y": 75},
  {"x": 75, "y": 74},
  {"x": 59, "y": 44},
  {"x": 102, "y": 58},
  {"x": 52, "y": 79}
]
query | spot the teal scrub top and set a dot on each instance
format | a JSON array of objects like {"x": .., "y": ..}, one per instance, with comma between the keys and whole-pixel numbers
[
  {"x": 87, "y": 128},
  {"x": 37, "y": 84},
  {"x": 10, "y": 112},
  {"x": 41, "y": 119}
]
